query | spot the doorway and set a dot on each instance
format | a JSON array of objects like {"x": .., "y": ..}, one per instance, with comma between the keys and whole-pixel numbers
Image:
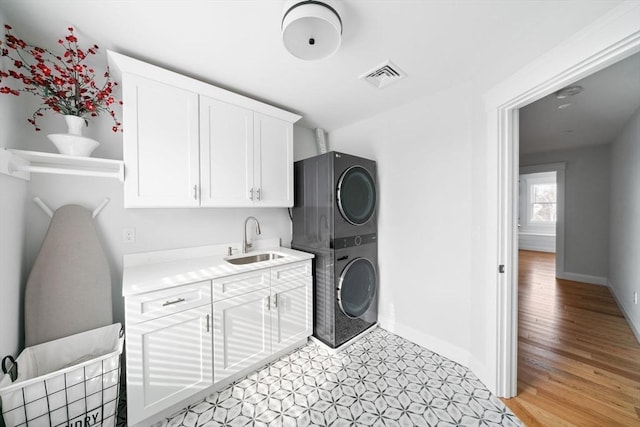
[
  {"x": 605, "y": 42},
  {"x": 558, "y": 172}
]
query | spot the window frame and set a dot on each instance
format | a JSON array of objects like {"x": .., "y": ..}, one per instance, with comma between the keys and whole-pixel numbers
[{"x": 527, "y": 223}]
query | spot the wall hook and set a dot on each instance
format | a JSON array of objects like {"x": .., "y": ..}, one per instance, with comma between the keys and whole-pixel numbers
[
  {"x": 38, "y": 201},
  {"x": 101, "y": 206},
  {"x": 44, "y": 207}
]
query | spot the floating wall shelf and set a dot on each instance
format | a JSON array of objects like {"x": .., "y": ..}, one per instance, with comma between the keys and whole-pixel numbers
[{"x": 21, "y": 164}]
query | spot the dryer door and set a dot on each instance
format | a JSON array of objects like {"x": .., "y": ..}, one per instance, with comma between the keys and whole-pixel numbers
[
  {"x": 356, "y": 195},
  {"x": 357, "y": 287}
]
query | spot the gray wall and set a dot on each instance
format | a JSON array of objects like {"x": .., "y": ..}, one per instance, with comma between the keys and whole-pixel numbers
[
  {"x": 12, "y": 230},
  {"x": 587, "y": 189},
  {"x": 624, "y": 261}
]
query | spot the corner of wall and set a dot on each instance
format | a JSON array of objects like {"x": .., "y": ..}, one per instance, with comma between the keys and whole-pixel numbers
[
  {"x": 633, "y": 324},
  {"x": 434, "y": 344}
]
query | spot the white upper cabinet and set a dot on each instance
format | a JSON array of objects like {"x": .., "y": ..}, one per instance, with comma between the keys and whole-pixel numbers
[
  {"x": 273, "y": 161},
  {"x": 246, "y": 158},
  {"x": 189, "y": 144},
  {"x": 226, "y": 154},
  {"x": 160, "y": 144}
]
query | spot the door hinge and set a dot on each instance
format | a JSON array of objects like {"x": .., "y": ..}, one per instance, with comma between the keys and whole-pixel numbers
[{"x": 501, "y": 268}]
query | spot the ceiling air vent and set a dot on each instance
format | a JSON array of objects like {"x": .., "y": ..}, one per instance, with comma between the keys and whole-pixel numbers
[{"x": 384, "y": 74}]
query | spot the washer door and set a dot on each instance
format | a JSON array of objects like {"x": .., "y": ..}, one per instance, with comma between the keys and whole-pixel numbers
[
  {"x": 356, "y": 195},
  {"x": 357, "y": 287}
]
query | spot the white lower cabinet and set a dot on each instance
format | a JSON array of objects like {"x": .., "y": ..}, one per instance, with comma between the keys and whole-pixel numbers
[
  {"x": 291, "y": 316},
  {"x": 241, "y": 332},
  {"x": 248, "y": 328},
  {"x": 168, "y": 359},
  {"x": 183, "y": 340}
]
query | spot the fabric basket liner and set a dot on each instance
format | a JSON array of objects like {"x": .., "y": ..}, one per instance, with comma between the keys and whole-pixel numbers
[{"x": 71, "y": 381}]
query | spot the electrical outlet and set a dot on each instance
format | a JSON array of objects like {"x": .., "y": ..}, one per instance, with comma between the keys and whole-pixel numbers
[
  {"x": 129, "y": 235},
  {"x": 635, "y": 297}
]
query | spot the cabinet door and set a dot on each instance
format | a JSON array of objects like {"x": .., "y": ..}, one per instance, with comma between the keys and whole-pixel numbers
[
  {"x": 226, "y": 156},
  {"x": 292, "y": 313},
  {"x": 168, "y": 359},
  {"x": 241, "y": 332},
  {"x": 273, "y": 148},
  {"x": 160, "y": 144}
]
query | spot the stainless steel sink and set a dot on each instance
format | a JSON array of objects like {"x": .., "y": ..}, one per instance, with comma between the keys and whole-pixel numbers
[{"x": 250, "y": 259}]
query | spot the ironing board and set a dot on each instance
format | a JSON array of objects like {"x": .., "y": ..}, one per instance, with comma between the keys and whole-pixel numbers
[{"x": 69, "y": 288}]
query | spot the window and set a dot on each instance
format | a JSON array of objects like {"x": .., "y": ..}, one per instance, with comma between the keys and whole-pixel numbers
[
  {"x": 538, "y": 203},
  {"x": 543, "y": 203}
]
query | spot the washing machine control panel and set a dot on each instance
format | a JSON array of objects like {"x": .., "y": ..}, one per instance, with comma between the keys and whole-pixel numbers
[{"x": 347, "y": 242}]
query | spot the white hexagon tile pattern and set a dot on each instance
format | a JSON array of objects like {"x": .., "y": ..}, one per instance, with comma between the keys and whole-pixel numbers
[{"x": 380, "y": 380}]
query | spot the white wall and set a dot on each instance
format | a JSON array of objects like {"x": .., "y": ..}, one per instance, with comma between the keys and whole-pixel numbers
[
  {"x": 587, "y": 186},
  {"x": 12, "y": 231},
  {"x": 304, "y": 143},
  {"x": 624, "y": 260},
  {"x": 443, "y": 291},
  {"x": 423, "y": 153},
  {"x": 156, "y": 229}
]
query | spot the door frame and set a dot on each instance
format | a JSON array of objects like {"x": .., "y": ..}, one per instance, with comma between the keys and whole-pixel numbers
[{"x": 611, "y": 38}]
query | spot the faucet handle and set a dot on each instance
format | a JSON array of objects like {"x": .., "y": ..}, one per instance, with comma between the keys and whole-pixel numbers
[{"x": 230, "y": 250}]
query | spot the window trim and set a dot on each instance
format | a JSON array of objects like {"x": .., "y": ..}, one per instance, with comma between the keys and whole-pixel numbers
[{"x": 527, "y": 224}]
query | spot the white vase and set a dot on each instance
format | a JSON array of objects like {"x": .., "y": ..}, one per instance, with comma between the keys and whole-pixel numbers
[
  {"x": 73, "y": 143},
  {"x": 74, "y": 124}
]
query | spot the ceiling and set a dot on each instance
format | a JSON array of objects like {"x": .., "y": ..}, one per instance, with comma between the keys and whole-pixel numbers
[
  {"x": 595, "y": 116},
  {"x": 236, "y": 44}
]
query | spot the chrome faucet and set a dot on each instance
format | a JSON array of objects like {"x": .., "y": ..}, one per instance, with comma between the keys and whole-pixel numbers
[{"x": 245, "y": 243}]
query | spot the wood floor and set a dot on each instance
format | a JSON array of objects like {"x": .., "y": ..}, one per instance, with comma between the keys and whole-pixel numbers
[{"x": 578, "y": 360}]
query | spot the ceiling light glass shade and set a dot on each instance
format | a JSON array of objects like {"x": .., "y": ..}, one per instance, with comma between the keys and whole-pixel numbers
[{"x": 311, "y": 30}]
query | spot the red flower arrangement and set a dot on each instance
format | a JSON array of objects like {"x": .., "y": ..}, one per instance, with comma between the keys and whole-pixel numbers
[{"x": 64, "y": 82}]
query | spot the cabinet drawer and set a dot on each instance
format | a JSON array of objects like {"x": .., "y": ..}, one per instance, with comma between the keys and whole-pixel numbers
[
  {"x": 153, "y": 305},
  {"x": 289, "y": 272},
  {"x": 238, "y": 284}
]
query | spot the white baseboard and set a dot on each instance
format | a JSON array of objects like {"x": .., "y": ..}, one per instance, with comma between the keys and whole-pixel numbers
[
  {"x": 537, "y": 242},
  {"x": 585, "y": 278},
  {"x": 635, "y": 328},
  {"x": 427, "y": 341},
  {"x": 536, "y": 248}
]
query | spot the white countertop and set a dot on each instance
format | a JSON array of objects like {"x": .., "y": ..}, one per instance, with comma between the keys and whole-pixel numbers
[{"x": 152, "y": 271}]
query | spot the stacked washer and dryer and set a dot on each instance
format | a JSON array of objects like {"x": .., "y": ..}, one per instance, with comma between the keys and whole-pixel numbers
[{"x": 334, "y": 217}]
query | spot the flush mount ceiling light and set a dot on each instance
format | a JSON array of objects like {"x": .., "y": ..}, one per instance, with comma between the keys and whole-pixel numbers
[
  {"x": 311, "y": 29},
  {"x": 568, "y": 91}
]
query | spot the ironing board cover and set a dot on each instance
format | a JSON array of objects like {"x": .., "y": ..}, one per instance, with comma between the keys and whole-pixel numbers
[{"x": 69, "y": 288}]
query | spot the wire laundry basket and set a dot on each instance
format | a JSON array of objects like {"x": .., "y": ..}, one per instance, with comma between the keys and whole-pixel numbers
[{"x": 69, "y": 382}]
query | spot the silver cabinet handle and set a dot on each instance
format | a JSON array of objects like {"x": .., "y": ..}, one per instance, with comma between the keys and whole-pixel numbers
[
  {"x": 251, "y": 194},
  {"x": 173, "y": 302},
  {"x": 195, "y": 192},
  {"x": 258, "y": 192},
  {"x": 269, "y": 302},
  {"x": 207, "y": 323},
  {"x": 275, "y": 301}
]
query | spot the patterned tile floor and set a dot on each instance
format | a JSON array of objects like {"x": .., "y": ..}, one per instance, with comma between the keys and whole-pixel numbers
[{"x": 381, "y": 380}]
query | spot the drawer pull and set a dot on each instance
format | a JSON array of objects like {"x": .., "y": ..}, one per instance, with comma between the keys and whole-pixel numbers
[{"x": 173, "y": 302}]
